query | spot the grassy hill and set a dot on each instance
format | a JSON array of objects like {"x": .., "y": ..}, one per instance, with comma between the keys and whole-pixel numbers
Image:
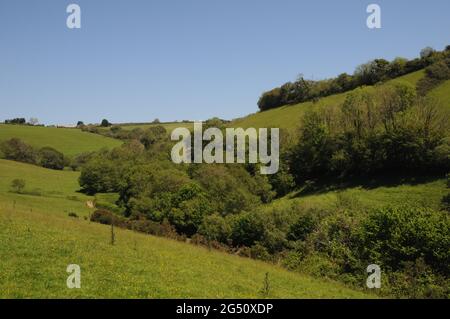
[
  {"x": 50, "y": 191},
  {"x": 289, "y": 116},
  {"x": 68, "y": 141},
  {"x": 426, "y": 193},
  {"x": 39, "y": 240}
]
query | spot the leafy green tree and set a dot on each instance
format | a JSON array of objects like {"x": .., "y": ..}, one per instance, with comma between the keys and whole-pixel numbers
[
  {"x": 51, "y": 158},
  {"x": 16, "y": 150}
]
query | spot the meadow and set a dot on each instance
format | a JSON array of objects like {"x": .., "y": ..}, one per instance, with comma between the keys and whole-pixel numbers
[
  {"x": 39, "y": 240},
  {"x": 68, "y": 141}
]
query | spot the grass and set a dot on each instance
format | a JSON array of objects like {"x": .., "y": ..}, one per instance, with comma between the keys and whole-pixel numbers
[
  {"x": 427, "y": 194},
  {"x": 38, "y": 241},
  {"x": 68, "y": 141},
  {"x": 289, "y": 116},
  {"x": 51, "y": 191}
]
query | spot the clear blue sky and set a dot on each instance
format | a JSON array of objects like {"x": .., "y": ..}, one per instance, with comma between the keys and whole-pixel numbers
[{"x": 133, "y": 61}]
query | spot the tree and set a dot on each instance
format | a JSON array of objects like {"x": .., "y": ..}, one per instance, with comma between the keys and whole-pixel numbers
[
  {"x": 105, "y": 123},
  {"x": 51, "y": 158},
  {"x": 372, "y": 72},
  {"x": 18, "y": 120},
  {"x": 152, "y": 135},
  {"x": 156, "y": 121},
  {"x": 16, "y": 150},
  {"x": 80, "y": 123},
  {"x": 215, "y": 228},
  {"x": 397, "y": 67},
  {"x": 270, "y": 99},
  {"x": 426, "y": 52},
  {"x": 18, "y": 185}
]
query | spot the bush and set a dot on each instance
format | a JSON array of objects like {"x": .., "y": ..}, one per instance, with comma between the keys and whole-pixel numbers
[
  {"x": 247, "y": 229},
  {"x": 16, "y": 150},
  {"x": 391, "y": 236},
  {"x": 304, "y": 226},
  {"x": 99, "y": 176},
  {"x": 106, "y": 217},
  {"x": 105, "y": 123},
  {"x": 51, "y": 158},
  {"x": 18, "y": 185},
  {"x": 215, "y": 228}
]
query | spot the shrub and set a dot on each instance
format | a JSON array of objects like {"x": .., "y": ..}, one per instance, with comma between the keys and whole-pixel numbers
[
  {"x": 247, "y": 228},
  {"x": 393, "y": 235},
  {"x": 105, "y": 123},
  {"x": 18, "y": 185},
  {"x": 51, "y": 158},
  {"x": 106, "y": 217},
  {"x": 304, "y": 226},
  {"x": 16, "y": 150},
  {"x": 215, "y": 228}
]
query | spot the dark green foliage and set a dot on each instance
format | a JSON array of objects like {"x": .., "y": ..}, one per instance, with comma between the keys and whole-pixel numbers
[
  {"x": 434, "y": 75},
  {"x": 404, "y": 234},
  {"x": 105, "y": 123},
  {"x": 369, "y": 73},
  {"x": 153, "y": 135},
  {"x": 215, "y": 228},
  {"x": 247, "y": 228},
  {"x": 387, "y": 130},
  {"x": 19, "y": 120},
  {"x": 51, "y": 158},
  {"x": 304, "y": 226},
  {"x": 99, "y": 176},
  {"x": 16, "y": 150}
]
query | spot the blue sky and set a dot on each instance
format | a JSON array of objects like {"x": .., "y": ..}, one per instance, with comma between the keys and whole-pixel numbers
[{"x": 133, "y": 61}]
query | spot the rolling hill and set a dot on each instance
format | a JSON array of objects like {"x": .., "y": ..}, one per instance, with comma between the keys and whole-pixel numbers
[
  {"x": 39, "y": 240},
  {"x": 68, "y": 141},
  {"x": 288, "y": 116}
]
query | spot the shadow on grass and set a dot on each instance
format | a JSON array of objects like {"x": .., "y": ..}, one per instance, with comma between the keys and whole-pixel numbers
[{"x": 367, "y": 183}]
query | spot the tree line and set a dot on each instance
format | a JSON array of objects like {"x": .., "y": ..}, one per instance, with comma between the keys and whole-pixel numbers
[{"x": 378, "y": 70}]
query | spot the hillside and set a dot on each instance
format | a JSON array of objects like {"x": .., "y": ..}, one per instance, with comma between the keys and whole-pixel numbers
[
  {"x": 68, "y": 141},
  {"x": 288, "y": 117},
  {"x": 39, "y": 240}
]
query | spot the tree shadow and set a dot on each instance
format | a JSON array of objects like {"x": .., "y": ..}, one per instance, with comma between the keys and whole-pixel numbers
[{"x": 365, "y": 182}]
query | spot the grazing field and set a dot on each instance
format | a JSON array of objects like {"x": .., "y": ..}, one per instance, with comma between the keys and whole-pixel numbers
[
  {"x": 68, "y": 141},
  {"x": 39, "y": 240},
  {"x": 49, "y": 191}
]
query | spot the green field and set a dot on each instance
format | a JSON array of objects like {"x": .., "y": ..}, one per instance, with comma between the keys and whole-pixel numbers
[
  {"x": 39, "y": 240},
  {"x": 66, "y": 140},
  {"x": 51, "y": 191}
]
